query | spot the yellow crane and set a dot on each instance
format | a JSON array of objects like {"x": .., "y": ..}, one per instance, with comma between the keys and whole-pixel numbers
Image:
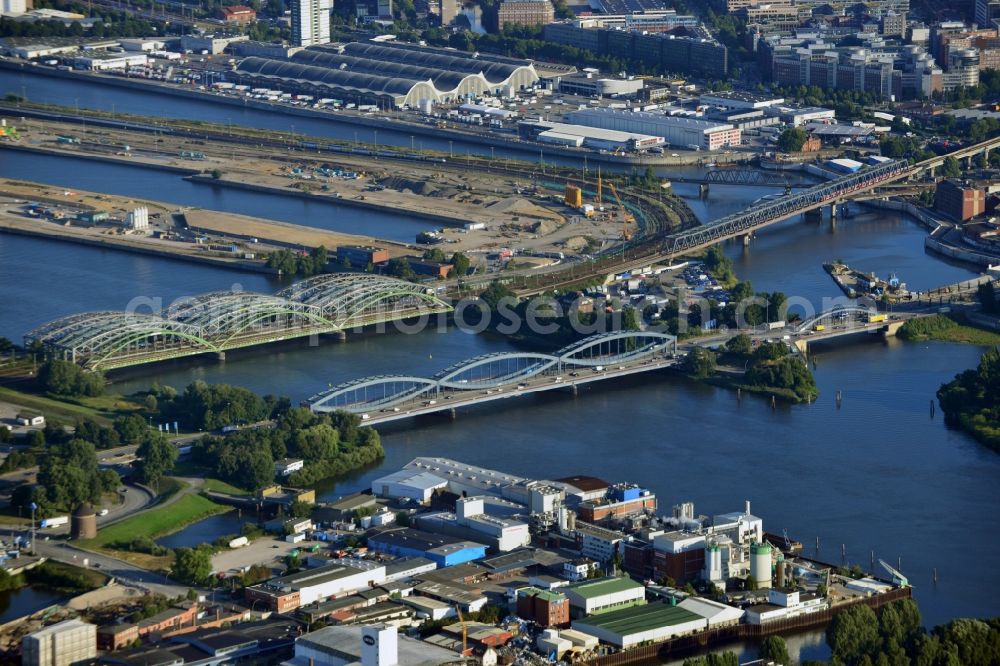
[{"x": 626, "y": 216}]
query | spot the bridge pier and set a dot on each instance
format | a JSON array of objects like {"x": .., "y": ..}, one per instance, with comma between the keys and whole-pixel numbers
[
  {"x": 341, "y": 336},
  {"x": 703, "y": 190},
  {"x": 813, "y": 215},
  {"x": 220, "y": 356},
  {"x": 452, "y": 414},
  {"x": 746, "y": 239}
]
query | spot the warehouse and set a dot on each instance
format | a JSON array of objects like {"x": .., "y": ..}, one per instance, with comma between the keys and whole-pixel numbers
[
  {"x": 286, "y": 593},
  {"x": 409, "y": 484},
  {"x": 107, "y": 61},
  {"x": 498, "y": 72},
  {"x": 653, "y": 623},
  {"x": 603, "y": 595},
  {"x": 676, "y": 131},
  {"x": 360, "y": 88},
  {"x": 597, "y": 138},
  {"x": 442, "y": 550}
]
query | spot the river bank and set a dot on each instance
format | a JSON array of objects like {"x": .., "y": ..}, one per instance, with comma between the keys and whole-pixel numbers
[{"x": 369, "y": 121}]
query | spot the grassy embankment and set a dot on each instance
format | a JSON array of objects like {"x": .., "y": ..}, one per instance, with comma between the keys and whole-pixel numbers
[
  {"x": 152, "y": 524},
  {"x": 945, "y": 329},
  {"x": 102, "y": 409}
]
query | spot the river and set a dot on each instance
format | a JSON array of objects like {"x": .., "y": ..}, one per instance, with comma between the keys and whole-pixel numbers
[
  {"x": 878, "y": 473},
  {"x": 155, "y": 185}
]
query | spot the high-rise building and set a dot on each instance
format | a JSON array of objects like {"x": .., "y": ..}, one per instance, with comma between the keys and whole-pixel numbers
[
  {"x": 986, "y": 12},
  {"x": 311, "y": 22},
  {"x": 61, "y": 644}
]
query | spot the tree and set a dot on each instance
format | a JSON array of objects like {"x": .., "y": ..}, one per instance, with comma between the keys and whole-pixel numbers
[
  {"x": 399, "y": 267},
  {"x": 951, "y": 168},
  {"x": 773, "y": 648},
  {"x": 461, "y": 264},
  {"x": 69, "y": 476},
  {"x": 131, "y": 428},
  {"x": 64, "y": 378},
  {"x": 853, "y": 634},
  {"x": 157, "y": 455},
  {"x": 630, "y": 319},
  {"x": 434, "y": 254},
  {"x": 740, "y": 344},
  {"x": 216, "y": 174},
  {"x": 192, "y": 566},
  {"x": 700, "y": 363},
  {"x": 792, "y": 140}
]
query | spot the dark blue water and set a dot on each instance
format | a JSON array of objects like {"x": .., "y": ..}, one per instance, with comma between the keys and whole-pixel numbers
[
  {"x": 206, "y": 531},
  {"x": 170, "y": 188},
  {"x": 27, "y": 600}
]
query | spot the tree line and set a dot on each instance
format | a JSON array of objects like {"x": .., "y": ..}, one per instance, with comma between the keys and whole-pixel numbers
[{"x": 971, "y": 401}]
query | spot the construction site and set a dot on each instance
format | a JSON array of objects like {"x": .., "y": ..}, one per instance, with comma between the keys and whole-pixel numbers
[{"x": 475, "y": 205}]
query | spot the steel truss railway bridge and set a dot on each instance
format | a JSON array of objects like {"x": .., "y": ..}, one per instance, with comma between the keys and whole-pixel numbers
[
  {"x": 481, "y": 379},
  {"x": 222, "y": 321}
]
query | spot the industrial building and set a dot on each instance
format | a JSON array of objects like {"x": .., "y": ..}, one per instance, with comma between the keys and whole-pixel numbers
[
  {"x": 61, "y": 644},
  {"x": 603, "y": 595},
  {"x": 377, "y": 645},
  {"x": 470, "y": 521},
  {"x": 597, "y": 138},
  {"x": 286, "y": 593},
  {"x": 959, "y": 200},
  {"x": 587, "y": 83},
  {"x": 409, "y": 484},
  {"x": 649, "y": 623},
  {"x": 676, "y": 131},
  {"x": 733, "y": 100},
  {"x": 102, "y": 62},
  {"x": 620, "y": 501},
  {"x": 442, "y": 550},
  {"x": 387, "y": 74}
]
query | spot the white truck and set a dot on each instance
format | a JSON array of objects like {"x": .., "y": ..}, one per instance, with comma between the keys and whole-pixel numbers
[{"x": 55, "y": 521}]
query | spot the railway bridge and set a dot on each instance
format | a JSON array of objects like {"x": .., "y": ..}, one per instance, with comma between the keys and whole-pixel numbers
[{"x": 223, "y": 321}]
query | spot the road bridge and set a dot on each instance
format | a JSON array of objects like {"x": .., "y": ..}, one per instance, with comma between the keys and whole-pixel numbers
[
  {"x": 222, "y": 321},
  {"x": 386, "y": 398}
]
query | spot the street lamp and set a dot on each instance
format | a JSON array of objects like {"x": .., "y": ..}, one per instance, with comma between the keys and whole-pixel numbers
[{"x": 33, "y": 507}]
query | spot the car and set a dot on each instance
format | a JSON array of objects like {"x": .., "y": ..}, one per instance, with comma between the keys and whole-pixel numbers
[{"x": 103, "y": 512}]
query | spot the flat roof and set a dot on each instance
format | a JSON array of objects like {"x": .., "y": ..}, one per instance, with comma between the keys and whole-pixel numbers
[
  {"x": 587, "y": 484},
  {"x": 324, "y": 574},
  {"x": 412, "y": 479},
  {"x": 638, "y": 619},
  {"x": 407, "y": 564},
  {"x": 340, "y": 640},
  {"x": 596, "y": 588}
]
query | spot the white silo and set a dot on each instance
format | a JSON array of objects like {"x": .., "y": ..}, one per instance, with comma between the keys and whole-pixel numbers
[
  {"x": 760, "y": 565},
  {"x": 713, "y": 563}
]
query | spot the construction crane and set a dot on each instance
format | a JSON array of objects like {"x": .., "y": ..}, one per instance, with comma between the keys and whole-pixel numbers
[
  {"x": 626, "y": 216},
  {"x": 897, "y": 577},
  {"x": 465, "y": 632}
]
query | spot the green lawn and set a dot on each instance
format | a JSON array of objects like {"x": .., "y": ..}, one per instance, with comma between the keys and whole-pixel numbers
[
  {"x": 214, "y": 485},
  {"x": 157, "y": 522}
]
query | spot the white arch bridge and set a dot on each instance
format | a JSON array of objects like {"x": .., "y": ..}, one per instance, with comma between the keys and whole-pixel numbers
[
  {"x": 221, "y": 321},
  {"x": 384, "y": 398}
]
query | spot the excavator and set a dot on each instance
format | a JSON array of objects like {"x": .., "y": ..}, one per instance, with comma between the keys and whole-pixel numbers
[{"x": 627, "y": 218}]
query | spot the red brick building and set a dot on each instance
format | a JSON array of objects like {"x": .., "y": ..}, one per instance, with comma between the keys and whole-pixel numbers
[
  {"x": 173, "y": 618},
  {"x": 116, "y": 636},
  {"x": 547, "y": 609},
  {"x": 960, "y": 200},
  {"x": 238, "y": 14}
]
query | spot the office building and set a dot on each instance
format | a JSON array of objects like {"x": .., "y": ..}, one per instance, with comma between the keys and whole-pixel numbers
[
  {"x": 525, "y": 12},
  {"x": 545, "y": 608},
  {"x": 62, "y": 644},
  {"x": 311, "y": 22}
]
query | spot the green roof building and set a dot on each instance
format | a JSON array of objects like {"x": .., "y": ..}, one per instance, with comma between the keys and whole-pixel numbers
[
  {"x": 603, "y": 595},
  {"x": 655, "y": 622}
]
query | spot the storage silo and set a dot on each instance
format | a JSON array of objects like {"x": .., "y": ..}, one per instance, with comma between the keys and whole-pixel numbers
[
  {"x": 779, "y": 571},
  {"x": 713, "y": 562},
  {"x": 760, "y": 564},
  {"x": 84, "y": 522}
]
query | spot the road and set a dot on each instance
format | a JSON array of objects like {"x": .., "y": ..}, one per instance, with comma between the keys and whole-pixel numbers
[{"x": 122, "y": 571}]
